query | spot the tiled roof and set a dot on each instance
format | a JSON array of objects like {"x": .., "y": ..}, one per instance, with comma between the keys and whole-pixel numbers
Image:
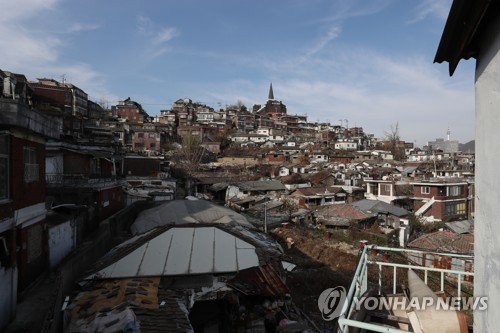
[
  {"x": 315, "y": 191},
  {"x": 319, "y": 177},
  {"x": 445, "y": 241},
  {"x": 376, "y": 206},
  {"x": 345, "y": 211}
]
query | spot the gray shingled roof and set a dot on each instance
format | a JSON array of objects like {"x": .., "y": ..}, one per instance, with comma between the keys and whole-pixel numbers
[{"x": 375, "y": 206}]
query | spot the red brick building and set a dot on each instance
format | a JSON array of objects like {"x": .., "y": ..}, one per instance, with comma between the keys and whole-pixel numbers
[
  {"x": 84, "y": 175},
  {"x": 23, "y": 133},
  {"x": 64, "y": 99},
  {"x": 444, "y": 200},
  {"x": 132, "y": 111}
]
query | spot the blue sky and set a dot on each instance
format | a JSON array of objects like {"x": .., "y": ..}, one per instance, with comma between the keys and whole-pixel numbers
[{"x": 370, "y": 62}]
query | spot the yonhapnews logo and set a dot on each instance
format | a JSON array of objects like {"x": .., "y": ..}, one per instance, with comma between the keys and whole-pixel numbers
[{"x": 331, "y": 302}]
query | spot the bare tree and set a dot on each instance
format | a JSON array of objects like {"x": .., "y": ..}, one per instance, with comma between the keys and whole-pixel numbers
[
  {"x": 190, "y": 157},
  {"x": 241, "y": 106},
  {"x": 394, "y": 143}
]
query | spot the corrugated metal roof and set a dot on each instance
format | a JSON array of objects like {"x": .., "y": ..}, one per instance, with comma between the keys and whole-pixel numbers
[
  {"x": 182, "y": 251},
  {"x": 460, "y": 227}
]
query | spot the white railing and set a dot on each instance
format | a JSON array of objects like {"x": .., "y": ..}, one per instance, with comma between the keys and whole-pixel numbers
[{"x": 359, "y": 284}]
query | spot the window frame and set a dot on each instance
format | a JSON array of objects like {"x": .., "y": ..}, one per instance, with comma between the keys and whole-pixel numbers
[
  {"x": 31, "y": 167},
  {"x": 425, "y": 189}
]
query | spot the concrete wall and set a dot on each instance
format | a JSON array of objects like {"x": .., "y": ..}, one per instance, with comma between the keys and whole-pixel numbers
[
  {"x": 487, "y": 225},
  {"x": 61, "y": 239}
]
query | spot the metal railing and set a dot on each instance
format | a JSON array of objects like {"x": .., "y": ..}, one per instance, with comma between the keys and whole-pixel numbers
[
  {"x": 59, "y": 179},
  {"x": 360, "y": 283}
]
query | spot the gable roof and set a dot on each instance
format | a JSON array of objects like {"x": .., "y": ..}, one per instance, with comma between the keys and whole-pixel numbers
[
  {"x": 345, "y": 211},
  {"x": 315, "y": 191},
  {"x": 182, "y": 212},
  {"x": 445, "y": 241},
  {"x": 184, "y": 251},
  {"x": 376, "y": 206}
]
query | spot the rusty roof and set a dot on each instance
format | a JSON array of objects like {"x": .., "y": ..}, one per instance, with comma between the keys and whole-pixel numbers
[{"x": 101, "y": 302}]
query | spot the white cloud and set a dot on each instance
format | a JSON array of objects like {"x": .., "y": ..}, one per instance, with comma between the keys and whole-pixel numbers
[
  {"x": 27, "y": 48},
  {"x": 13, "y": 11},
  {"x": 165, "y": 35},
  {"x": 332, "y": 33},
  {"x": 156, "y": 37},
  {"x": 369, "y": 89},
  {"x": 144, "y": 24},
  {"x": 431, "y": 8},
  {"x": 77, "y": 27}
]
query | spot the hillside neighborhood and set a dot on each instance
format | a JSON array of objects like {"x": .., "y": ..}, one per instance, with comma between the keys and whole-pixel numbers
[{"x": 233, "y": 192}]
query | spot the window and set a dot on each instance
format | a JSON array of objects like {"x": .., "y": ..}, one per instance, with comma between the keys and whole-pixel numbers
[
  {"x": 30, "y": 165},
  {"x": 453, "y": 208},
  {"x": 95, "y": 166},
  {"x": 425, "y": 190},
  {"x": 387, "y": 188},
  {"x": 454, "y": 191},
  {"x": 140, "y": 135},
  {"x": 4, "y": 166}
]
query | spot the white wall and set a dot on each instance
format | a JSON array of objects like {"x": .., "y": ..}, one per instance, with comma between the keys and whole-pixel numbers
[
  {"x": 61, "y": 242},
  {"x": 487, "y": 225}
]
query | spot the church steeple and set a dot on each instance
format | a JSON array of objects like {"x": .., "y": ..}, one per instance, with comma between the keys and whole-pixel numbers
[{"x": 271, "y": 94}]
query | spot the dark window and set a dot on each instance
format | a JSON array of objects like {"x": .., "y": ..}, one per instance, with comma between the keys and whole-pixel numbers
[
  {"x": 4, "y": 166},
  {"x": 30, "y": 165}
]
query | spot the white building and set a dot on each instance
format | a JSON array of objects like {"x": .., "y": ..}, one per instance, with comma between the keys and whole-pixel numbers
[{"x": 473, "y": 30}]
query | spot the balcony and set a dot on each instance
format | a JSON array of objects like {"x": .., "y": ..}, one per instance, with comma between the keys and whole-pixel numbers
[
  {"x": 384, "y": 272},
  {"x": 77, "y": 180}
]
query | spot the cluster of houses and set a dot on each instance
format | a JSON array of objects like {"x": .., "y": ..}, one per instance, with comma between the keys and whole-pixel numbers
[{"x": 67, "y": 163}]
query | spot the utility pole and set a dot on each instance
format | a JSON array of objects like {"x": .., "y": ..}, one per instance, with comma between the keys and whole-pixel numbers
[{"x": 265, "y": 217}]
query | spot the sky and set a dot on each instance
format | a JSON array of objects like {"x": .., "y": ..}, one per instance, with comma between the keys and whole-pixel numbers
[{"x": 351, "y": 63}]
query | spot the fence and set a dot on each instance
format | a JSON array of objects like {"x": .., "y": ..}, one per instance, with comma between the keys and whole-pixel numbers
[{"x": 388, "y": 266}]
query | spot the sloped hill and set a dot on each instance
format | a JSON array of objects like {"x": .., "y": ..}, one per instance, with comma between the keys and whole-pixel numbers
[{"x": 469, "y": 147}]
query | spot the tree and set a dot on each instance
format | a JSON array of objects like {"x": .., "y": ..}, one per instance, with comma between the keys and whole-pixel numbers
[
  {"x": 394, "y": 142},
  {"x": 190, "y": 156},
  {"x": 240, "y": 106}
]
